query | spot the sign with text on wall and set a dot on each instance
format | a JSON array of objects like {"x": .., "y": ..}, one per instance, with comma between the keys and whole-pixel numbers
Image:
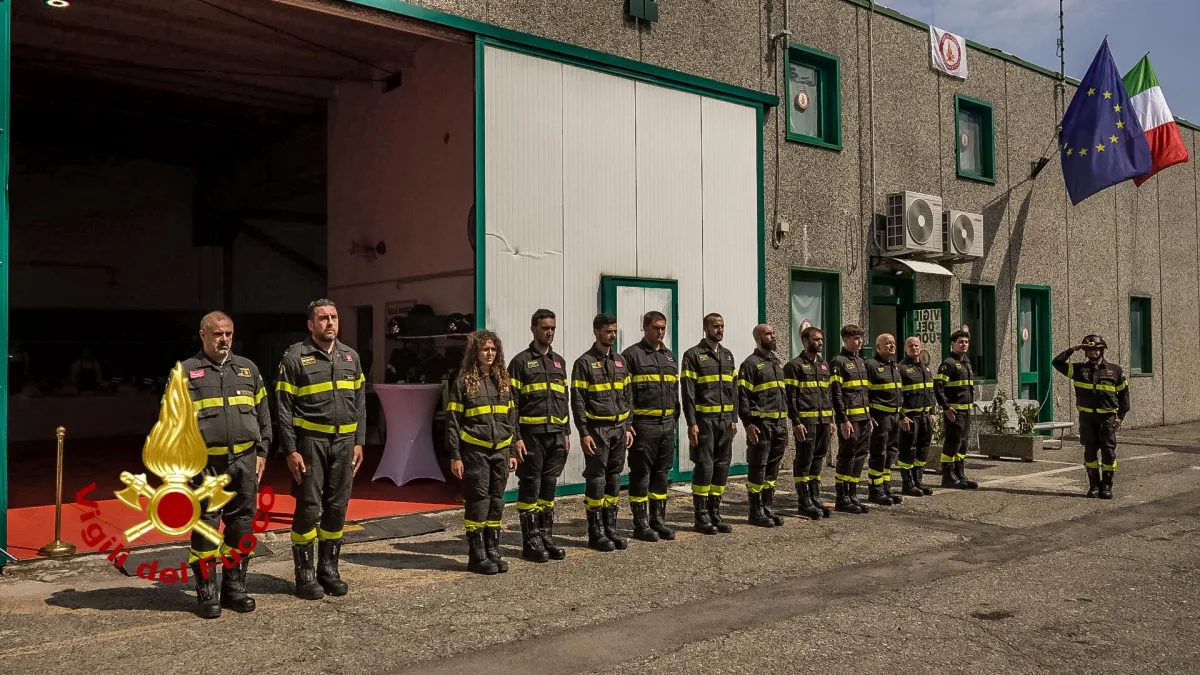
[{"x": 930, "y": 321}]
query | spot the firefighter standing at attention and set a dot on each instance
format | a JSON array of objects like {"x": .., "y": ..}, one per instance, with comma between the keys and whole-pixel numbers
[
  {"x": 811, "y": 411},
  {"x": 601, "y": 400},
  {"x": 954, "y": 388},
  {"x": 848, "y": 389},
  {"x": 230, "y": 400},
  {"x": 763, "y": 409},
  {"x": 918, "y": 408},
  {"x": 655, "y": 418},
  {"x": 887, "y": 399},
  {"x": 1102, "y": 396},
  {"x": 321, "y": 404},
  {"x": 709, "y": 401},
  {"x": 538, "y": 376}
]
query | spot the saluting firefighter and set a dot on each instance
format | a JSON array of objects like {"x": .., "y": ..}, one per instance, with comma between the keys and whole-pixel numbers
[
  {"x": 850, "y": 391},
  {"x": 230, "y": 399},
  {"x": 709, "y": 401},
  {"x": 811, "y": 411},
  {"x": 1102, "y": 397},
  {"x": 538, "y": 376},
  {"x": 321, "y": 402},
  {"x": 887, "y": 399},
  {"x": 954, "y": 388},
  {"x": 655, "y": 418},
  {"x": 481, "y": 427},
  {"x": 763, "y": 409},
  {"x": 918, "y": 409},
  {"x": 601, "y": 400}
]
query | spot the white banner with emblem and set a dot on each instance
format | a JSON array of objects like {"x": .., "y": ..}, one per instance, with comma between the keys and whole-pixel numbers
[{"x": 949, "y": 52}]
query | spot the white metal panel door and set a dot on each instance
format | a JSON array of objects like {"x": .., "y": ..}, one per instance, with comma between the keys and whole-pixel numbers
[
  {"x": 631, "y": 305},
  {"x": 730, "y": 167}
]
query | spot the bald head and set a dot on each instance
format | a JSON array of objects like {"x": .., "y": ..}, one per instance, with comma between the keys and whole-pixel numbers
[
  {"x": 764, "y": 336},
  {"x": 216, "y": 333},
  {"x": 912, "y": 347},
  {"x": 212, "y": 318},
  {"x": 885, "y": 346}
]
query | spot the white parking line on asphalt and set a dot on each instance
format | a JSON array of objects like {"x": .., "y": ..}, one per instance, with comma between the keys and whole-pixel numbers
[{"x": 1077, "y": 467}]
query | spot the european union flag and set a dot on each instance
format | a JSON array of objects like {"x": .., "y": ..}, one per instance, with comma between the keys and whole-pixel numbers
[{"x": 1102, "y": 143}]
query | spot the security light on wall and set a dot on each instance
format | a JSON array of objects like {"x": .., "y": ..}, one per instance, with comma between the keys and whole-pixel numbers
[{"x": 58, "y": 4}]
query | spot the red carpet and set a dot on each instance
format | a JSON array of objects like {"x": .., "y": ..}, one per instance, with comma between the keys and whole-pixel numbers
[{"x": 31, "y": 493}]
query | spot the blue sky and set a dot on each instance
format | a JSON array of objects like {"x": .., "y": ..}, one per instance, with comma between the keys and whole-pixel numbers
[{"x": 1029, "y": 28}]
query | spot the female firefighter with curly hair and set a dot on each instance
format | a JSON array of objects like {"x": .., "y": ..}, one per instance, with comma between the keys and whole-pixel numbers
[{"x": 480, "y": 429}]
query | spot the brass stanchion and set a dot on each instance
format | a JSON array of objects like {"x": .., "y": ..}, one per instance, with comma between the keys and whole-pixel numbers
[{"x": 58, "y": 547}]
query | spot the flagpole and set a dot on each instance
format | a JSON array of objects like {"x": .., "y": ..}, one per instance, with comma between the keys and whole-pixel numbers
[{"x": 1062, "y": 69}]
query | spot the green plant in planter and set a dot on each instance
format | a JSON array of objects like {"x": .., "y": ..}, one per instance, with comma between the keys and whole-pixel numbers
[{"x": 996, "y": 420}]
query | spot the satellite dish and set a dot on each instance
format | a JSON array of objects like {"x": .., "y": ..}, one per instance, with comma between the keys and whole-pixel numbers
[{"x": 471, "y": 227}]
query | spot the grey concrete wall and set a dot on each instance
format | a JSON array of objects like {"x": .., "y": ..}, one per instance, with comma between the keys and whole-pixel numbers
[{"x": 1124, "y": 241}]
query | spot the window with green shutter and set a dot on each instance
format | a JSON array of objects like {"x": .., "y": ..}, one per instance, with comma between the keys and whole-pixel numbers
[
  {"x": 975, "y": 139},
  {"x": 814, "y": 109},
  {"x": 1141, "y": 340}
]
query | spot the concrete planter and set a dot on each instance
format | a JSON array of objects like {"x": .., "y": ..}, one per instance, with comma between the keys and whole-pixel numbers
[{"x": 996, "y": 446}]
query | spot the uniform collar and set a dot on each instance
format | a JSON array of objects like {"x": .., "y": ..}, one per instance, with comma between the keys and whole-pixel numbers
[
  {"x": 909, "y": 361},
  {"x": 848, "y": 354},
  {"x": 595, "y": 351},
  {"x": 646, "y": 347},
  {"x": 311, "y": 346},
  {"x": 533, "y": 349},
  {"x": 207, "y": 362},
  {"x": 703, "y": 346},
  {"x": 804, "y": 356}
]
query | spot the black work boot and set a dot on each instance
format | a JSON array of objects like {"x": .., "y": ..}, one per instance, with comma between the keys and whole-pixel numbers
[
  {"x": 804, "y": 502},
  {"x": 477, "y": 558},
  {"x": 207, "y": 593},
  {"x": 886, "y": 486},
  {"x": 876, "y": 495},
  {"x": 1093, "y": 483},
  {"x": 532, "y": 548},
  {"x": 769, "y": 504},
  {"x": 702, "y": 521},
  {"x": 597, "y": 538},
  {"x": 814, "y": 493},
  {"x": 1106, "y": 485},
  {"x": 491, "y": 544},
  {"x": 960, "y": 469},
  {"x": 304, "y": 559},
  {"x": 950, "y": 477},
  {"x": 909, "y": 483},
  {"x": 757, "y": 516},
  {"x": 610, "y": 528},
  {"x": 714, "y": 513},
  {"x": 852, "y": 493},
  {"x": 918, "y": 476},
  {"x": 641, "y": 522},
  {"x": 658, "y": 519},
  {"x": 327, "y": 567},
  {"x": 233, "y": 588},
  {"x": 545, "y": 519},
  {"x": 843, "y": 502}
]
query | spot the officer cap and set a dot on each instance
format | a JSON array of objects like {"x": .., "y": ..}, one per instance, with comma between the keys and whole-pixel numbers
[{"x": 1094, "y": 341}]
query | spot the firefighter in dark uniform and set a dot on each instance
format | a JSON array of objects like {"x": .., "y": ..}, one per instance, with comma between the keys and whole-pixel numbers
[
  {"x": 481, "y": 428},
  {"x": 887, "y": 399},
  {"x": 811, "y": 411},
  {"x": 655, "y": 375},
  {"x": 849, "y": 391},
  {"x": 763, "y": 409},
  {"x": 954, "y": 388},
  {"x": 232, "y": 411},
  {"x": 538, "y": 376},
  {"x": 918, "y": 408},
  {"x": 601, "y": 401},
  {"x": 1102, "y": 397},
  {"x": 321, "y": 404},
  {"x": 709, "y": 397}
]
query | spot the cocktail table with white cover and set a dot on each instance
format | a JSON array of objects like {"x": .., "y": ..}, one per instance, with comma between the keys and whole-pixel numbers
[{"x": 408, "y": 410}]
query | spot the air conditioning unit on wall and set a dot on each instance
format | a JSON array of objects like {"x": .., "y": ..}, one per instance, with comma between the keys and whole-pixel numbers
[
  {"x": 962, "y": 235},
  {"x": 913, "y": 224}
]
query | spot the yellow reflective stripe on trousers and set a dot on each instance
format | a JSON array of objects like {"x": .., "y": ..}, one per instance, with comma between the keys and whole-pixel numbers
[
  {"x": 325, "y": 428},
  {"x": 237, "y": 449},
  {"x": 472, "y": 525},
  {"x": 654, "y": 378},
  {"x": 526, "y": 506},
  {"x": 701, "y": 490},
  {"x": 543, "y": 420},
  {"x": 657, "y": 496},
  {"x": 487, "y": 409},
  {"x": 768, "y": 415},
  {"x": 714, "y": 408},
  {"x": 607, "y": 418},
  {"x": 843, "y": 478},
  {"x": 482, "y": 443},
  {"x": 304, "y": 538},
  {"x": 635, "y": 499}
]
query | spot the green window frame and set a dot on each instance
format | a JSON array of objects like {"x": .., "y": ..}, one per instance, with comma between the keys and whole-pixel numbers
[
  {"x": 967, "y": 110},
  {"x": 1141, "y": 336},
  {"x": 827, "y": 70},
  {"x": 978, "y": 311},
  {"x": 831, "y": 308}
]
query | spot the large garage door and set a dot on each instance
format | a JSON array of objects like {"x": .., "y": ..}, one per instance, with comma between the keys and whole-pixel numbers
[{"x": 588, "y": 174}]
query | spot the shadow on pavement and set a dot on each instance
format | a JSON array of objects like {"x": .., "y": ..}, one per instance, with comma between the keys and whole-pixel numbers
[
  {"x": 1034, "y": 493},
  {"x": 162, "y": 597}
]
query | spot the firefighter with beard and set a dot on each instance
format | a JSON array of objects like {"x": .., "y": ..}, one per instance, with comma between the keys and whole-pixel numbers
[
  {"x": 763, "y": 409},
  {"x": 232, "y": 412},
  {"x": 709, "y": 396},
  {"x": 1102, "y": 396},
  {"x": 918, "y": 407},
  {"x": 811, "y": 411},
  {"x": 849, "y": 391},
  {"x": 954, "y": 389}
]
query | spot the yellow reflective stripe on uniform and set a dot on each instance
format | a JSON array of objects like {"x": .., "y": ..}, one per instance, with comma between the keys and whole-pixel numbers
[
  {"x": 925, "y": 409},
  {"x": 776, "y": 384},
  {"x": 714, "y": 408},
  {"x": 545, "y": 503},
  {"x": 845, "y": 478},
  {"x": 487, "y": 409},
  {"x": 769, "y": 415},
  {"x": 325, "y": 428},
  {"x": 836, "y": 378},
  {"x": 809, "y": 413},
  {"x": 237, "y": 449},
  {"x": 884, "y": 408},
  {"x": 579, "y": 384},
  {"x": 472, "y": 525},
  {"x": 241, "y": 400},
  {"x": 514, "y": 382},
  {"x": 304, "y": 538},
  {"x": 647, "y": 412},
  {"x": 1099, "y": 411},
  {"x": 634, "y": 499},
  {"x": 885, "y": 386},
  {"x": 918, "y": 387},
  {"x": 658, "y": 496},
  {"x": 454, "y": 407},
  {"x": 540, "y": 386},
  {"x": 688, "y": 373},
  {"x": 543, "y": 420},
  {"x": 196, "y": 556},
  {"x": 714, "y": 378},
  {"x": 960, "y": 383},
  {"x": 854, "y": 383},
  {"x": 1070, "y": 369},
  {"x": 208, "y": 403},
  {"x": 607, "y": 418},
  {"x": 654, "y": 378},
  {"x": 806, "y": 384},
  {"x": 856, "y": 411},
  {"x": 476, "y": 441},
  {"x": 262, "y": 393},
  {"x": 526, "y": 506},
  {"x": 962, "y": 406},
  {"x": 320, "y": 387},
  {"x": 326, "y": 535}
]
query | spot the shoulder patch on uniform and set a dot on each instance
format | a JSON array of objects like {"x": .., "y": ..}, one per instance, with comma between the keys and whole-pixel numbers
[
  {"x": 670, "y": 359},
  {"x": 350, "y": 358},
  {"x": 558, "y": 364},
  {"x": 824, "y": 367},
  {"x": 244, "y": 372},
  {"x": 196, "y": 374},
  {"x": 307, "y": 360},
  {"x": 620, "y": 363}
]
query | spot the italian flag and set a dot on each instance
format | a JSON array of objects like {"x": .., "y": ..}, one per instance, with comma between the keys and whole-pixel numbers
[{"x": 1146, "y": 97}]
